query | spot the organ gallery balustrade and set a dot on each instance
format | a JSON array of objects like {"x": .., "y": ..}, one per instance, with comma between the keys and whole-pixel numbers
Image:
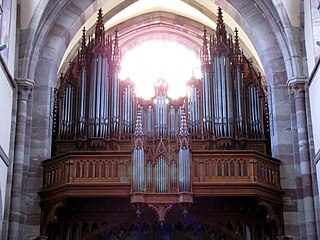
[{"x": 236, "y": 172}]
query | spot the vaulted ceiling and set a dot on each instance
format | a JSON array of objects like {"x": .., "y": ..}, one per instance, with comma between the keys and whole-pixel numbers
[{"x": 54, "y": 29}]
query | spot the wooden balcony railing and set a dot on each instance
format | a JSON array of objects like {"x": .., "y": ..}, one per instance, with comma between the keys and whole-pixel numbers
[
  {"x": 89, "y": 168},
  {"x": 235, "y": 167},
  {"x": 214, "y": 173}
]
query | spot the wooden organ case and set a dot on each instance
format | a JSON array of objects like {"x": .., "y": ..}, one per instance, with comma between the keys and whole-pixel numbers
[{"x": 198, "y": 167}]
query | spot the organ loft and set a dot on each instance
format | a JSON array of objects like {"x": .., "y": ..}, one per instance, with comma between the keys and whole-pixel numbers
[{"x": 196, "y": 167}]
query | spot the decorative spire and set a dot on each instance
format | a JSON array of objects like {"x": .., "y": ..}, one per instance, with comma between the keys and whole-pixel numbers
[
  {"x": 221, "y": 32},
  {"x": 83, "y": 49},
  {"x": 99, "y": 34},
  {"x": 204, "y": 53},
  {"x": 116, "y": 51},
  {"x": 138, "y": 133},
  {"x": 183, "y": 133},
  {"x": 237, "y": 54},
  {"x": 236, "y": 41}
]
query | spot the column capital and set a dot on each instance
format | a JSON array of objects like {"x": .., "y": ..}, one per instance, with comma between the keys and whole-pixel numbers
[
  {"x": 25, "y": 87},
  {"x": 298, "y": 90}
]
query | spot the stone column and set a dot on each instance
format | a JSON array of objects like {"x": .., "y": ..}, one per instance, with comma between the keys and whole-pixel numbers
[
  {"x": 25, "y": 87},
  {"x": 298, "y": 90}
]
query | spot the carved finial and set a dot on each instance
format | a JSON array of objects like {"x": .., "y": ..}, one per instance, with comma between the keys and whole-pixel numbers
[
  {"x": 183, "y": 133},
  {"x": 99, "y": 34},
  {"x": 83, "y": 49},
  {"x": 204, "y": 53},
  {"x": 221, "y": 32},
  {"x": 236, "y": 40},
  {"x": 83, "y": 39},
  {"x": 138, "y": 133},
  {"x": 220, "y": 17},
  {"x": 116, "y": 51},
  {"x": 237, "y": 50}
]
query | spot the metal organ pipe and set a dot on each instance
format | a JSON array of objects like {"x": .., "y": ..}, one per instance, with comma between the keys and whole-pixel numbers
[
  {"x": 67, "y": 109},
  {"x": 98, "y": 100},
  {"x": 63, "y": 114},
  {"x": 197, "y": 110},
  {"x": 92, "y": 102},
  {"x": 161, "y": 175},
  {"x": 82, "y": 100},
  {"x": 98, "y": 106},
  {"x": 184, "y": 169},
  {"x": 67, "y": 118},
  {"x": 150, "y": 122},
  {"x": 173, "y": 174},
  {"x": 217, "y": 97},
  {"x": 255, "y": 107},
  {"x": 230, "y": 93},
  {"x": 130, "y": 118},
  {"x": 165, "y": 114},
  {"x": 172, "y": 118},
  {"x": 251, "y": 109},
  {"x": 128, "y": 109},
  {"x": 115, "y": 103},
  {"x": 138, "y": 171},
  {"x": 157, "y": 176},
  {"x": 239, "y": 94},
  {"x": 207, "y": 100},
  {"x": 254, "y": 111},
  {"x": 223, "y": 95},
  {"x": 149, "y": 174}
]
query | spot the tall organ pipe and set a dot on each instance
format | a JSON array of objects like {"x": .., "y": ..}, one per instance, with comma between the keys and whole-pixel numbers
[
  {"x": 184, "y": 155},
  {"x": 223, "y": 97},
  {"x": 82, "y": 101},
  {"x": 98, "y": 100},
  {"x": 115, "y": 103},
  {"x": 138, "y": 169},
  {"x": 138, "y": 157},
  {"x": 239, "y": 100},
  {"x": 67, "y": 115},
  {"x": 207, "y": 100}
]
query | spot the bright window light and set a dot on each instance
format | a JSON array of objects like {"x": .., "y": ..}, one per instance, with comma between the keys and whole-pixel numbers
[{"x": 151, "y": 60}]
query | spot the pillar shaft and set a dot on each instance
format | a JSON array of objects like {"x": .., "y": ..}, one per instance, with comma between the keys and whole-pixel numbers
[
  {"x": 305, "y": 168},
  {"x": 25, "y": 87}
]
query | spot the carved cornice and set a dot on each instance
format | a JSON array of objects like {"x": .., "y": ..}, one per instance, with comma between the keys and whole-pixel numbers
[{"x": 25, "y": 87}]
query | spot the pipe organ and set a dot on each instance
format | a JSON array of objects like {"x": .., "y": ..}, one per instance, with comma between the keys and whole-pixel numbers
[{"x": 224, "y": 110}]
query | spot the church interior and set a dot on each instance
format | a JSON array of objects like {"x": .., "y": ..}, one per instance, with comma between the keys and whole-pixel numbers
[{"x": 163, "y": 120}]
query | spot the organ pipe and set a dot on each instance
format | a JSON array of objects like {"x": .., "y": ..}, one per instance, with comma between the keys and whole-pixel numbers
[
  {"x": 128, "y": 108},
  {"x": 193, "y": 108},
  {"x": 82, "y": 101},
  {"x": 161, "y": 169},
  {"x": 184, "y": 156},
  {"x": 207, "y": 87},
  {"x": 99, "y": 98},
  {"x": 138, "y": 177},
  {"x": 67, "y": 114},
  {"x": 115, "y": 102},
  {"x": 239, "y": 100},
  {"x": 227, "y": 101}
]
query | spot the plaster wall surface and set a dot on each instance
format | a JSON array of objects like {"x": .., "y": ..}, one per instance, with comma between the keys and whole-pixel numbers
[
  {"x": 315, "y": 110},
  {"x": 3, "y": 179},
  {"x": 6, "y": 94}
]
